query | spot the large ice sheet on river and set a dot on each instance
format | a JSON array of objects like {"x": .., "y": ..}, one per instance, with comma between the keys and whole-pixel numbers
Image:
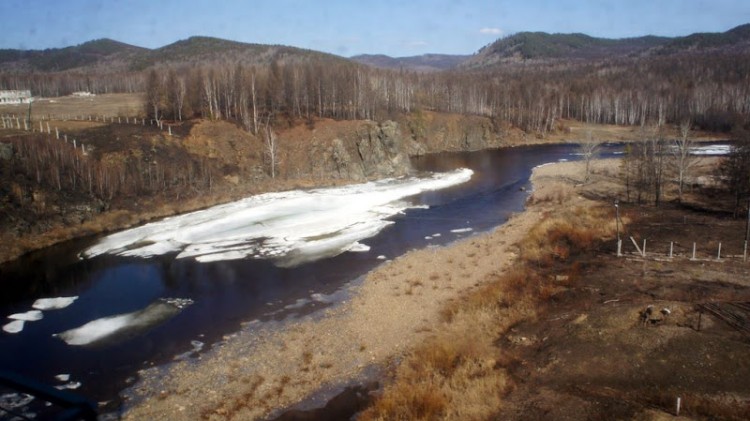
[{"x": 291, "y": 227}]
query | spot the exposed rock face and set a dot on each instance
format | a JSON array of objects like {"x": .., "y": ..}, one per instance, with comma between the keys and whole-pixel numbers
[{"x": 347, "y": 151}]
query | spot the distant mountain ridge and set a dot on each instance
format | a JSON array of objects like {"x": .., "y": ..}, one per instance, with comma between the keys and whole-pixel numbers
[
  {"x": 530, "y": 46},
  {"x": 115, "y": 55},
  {"x": 110, "y": 56}
]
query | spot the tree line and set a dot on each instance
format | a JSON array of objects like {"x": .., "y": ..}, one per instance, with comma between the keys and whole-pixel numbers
[{"x": 712, "y": 90}]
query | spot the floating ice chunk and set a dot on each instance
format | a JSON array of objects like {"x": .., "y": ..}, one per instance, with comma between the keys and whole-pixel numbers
[
  {"x": 381, "y": 257},
  {"x": 14, "y": 401},
  {"x": 436, "y": 235},
  {"x": 70, "y": 386},
  {"x": 29, "y": 316},
  {"x": 290, "y": 227},
  {"x": 359, "y": 248},
  {"x": 428, "y": 238},
  {"x": 62, "y": 377},
  {"x": 14, "y": 327},
  {"x": 562, "y": 160},
  {"x": 461, "y": 230},
  {"x": 53, "y": 303},
  {"x": 123, "y": 326}
]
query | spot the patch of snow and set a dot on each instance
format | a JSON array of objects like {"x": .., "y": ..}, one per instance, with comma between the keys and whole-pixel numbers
[
  {"x": 289, "y": 227},
  {"x": 14, "y": 400},
  {"x": 62, "y": 377},
  {"x": 120, "y": 326},
  {"x": 14, "y": 327},
  {"x": 29, "y": 316},
  {"x": 381, "y": 257},
  {"x": 711, "y": 150},
  {"x": 53, "y": 303},
  {"x": 69, "y": 386},
  {"x": 461, "y": 230}
]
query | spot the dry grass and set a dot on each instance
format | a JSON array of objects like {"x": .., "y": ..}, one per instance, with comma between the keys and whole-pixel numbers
[
  {"x": 562, "y": 235},
  {"x": 460, "y": 373}
]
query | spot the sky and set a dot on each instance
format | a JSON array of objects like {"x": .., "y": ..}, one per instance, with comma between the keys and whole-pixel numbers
[{"x": 350, "y": 27}]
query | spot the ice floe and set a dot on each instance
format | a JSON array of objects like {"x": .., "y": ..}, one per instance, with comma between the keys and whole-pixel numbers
[
  {"x": 29, "y": 316},
  {"x": 14, "y": 401},
  {"x": 461, "y": 230},
  {"x": 56, "y": 303},
  {"x": 14, "y": 327},
  {"x": 289, "y": 227},
  {"x": 122, "y": 326},
  {"x": 62, "y": 377},
  {"x": 69, "y": 386},
  {"x": 381, "y": 257}
]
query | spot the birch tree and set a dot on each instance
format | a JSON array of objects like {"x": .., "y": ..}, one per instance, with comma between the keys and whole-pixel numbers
[
  {"x": 589, "y": 150},
  {"x": 683, "y": 160}
]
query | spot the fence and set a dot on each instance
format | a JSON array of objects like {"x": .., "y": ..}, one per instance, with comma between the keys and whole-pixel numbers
[
  {"x": 671, "y": 250},
  {"x": 14, "y": 121}
]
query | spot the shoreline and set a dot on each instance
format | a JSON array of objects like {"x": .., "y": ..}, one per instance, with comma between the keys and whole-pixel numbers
[{"x": 255, "y": 374}]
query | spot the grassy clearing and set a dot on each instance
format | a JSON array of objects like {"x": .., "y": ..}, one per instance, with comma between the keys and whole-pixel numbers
[{"x": 459, "y": 372}]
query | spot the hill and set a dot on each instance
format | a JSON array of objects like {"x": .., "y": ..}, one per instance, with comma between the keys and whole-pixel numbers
[
  {"x": 101, "y": 52},
  {"x": 422, "y": 63},
  {"x": 542, "y": 46},
  {"x": 110, "y": 56},
  {"x": 207, "y": 49}
]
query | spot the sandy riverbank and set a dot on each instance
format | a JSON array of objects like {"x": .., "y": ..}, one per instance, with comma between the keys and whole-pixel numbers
[{"x": 255, "y": 373}]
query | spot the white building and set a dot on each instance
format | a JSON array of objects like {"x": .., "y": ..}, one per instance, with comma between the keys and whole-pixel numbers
[{"x": 15, "y": 97}]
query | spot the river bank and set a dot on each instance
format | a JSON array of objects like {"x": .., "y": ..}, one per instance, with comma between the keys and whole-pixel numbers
[{"x": 255, "y": 373}]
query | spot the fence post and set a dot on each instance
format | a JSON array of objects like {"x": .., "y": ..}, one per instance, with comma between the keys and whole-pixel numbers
[
  {"x": 693, "y": 258},
  {"x": 671, "y": 248},
  {"x": 718, "y": 255},
  {"x": 677, "y": 408},
  {"x": 644, "y": 247},
  {"x": 619, "y": 248}
]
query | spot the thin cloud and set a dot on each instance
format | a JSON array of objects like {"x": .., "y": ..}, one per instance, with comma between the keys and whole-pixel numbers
[{"x": 491, "y": 31}]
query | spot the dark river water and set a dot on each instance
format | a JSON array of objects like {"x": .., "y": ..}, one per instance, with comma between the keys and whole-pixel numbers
[{"x": 228, "y": 293}]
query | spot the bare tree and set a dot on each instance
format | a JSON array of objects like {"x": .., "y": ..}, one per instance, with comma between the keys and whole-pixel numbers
[
  {"x": 271, "y": 149},
  {"x": 181, "y": 90},
  {"x": 589, "y": 150},
  {"x": 683, "y": 160}
]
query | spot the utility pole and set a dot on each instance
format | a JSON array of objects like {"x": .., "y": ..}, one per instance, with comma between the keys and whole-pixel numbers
[
  {"x": 29, "y": 116},
  {"x": 617, "y": 218}
]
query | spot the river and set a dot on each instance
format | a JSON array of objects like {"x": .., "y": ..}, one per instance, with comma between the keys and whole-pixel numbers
[{"x": 217, "y": 297}]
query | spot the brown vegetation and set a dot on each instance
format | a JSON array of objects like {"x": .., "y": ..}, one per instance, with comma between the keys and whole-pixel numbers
[
  {"x": 460, "y": 373},
  {"x": 564, "y": 329}
]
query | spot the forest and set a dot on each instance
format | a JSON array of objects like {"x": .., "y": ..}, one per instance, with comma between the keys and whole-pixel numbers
[{"x": 711, "y": 89}]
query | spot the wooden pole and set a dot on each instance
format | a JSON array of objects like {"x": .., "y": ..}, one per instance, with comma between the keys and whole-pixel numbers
[
  {"x": 718, "y": 255},
  {"x": 693, "y": 252},
  {"x": 671, "y": 248},
  {"x": 677, "y": 408},
  {"x": 619, "y": 248},
  {"x": 644, "y": 247}
]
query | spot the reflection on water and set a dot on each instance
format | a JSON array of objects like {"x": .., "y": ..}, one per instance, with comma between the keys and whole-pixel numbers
[{"x": 228, "y": 293}]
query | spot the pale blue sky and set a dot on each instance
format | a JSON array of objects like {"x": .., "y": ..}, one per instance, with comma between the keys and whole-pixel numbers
[{"x": 396, "y": 28}]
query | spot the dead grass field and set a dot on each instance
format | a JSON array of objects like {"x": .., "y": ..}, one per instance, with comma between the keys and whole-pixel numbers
[{"x": 111, "y": 105}]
